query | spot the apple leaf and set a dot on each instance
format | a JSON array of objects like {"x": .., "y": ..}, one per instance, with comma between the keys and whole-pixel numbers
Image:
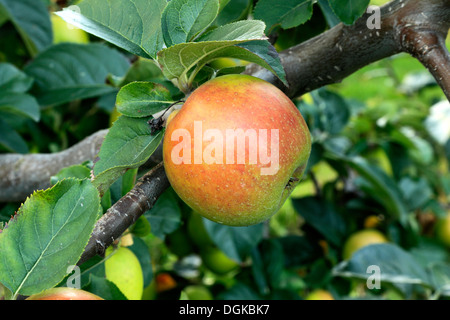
[
  {"x": 380, "y": 186},
  {"x": 178, "y": 60},
  {"x": 287, "y": 13},
  {"x": 20, "y": 104},
  {"x": 183, "y": 20},
  {"x": 348, "y": 11},
  {"x": 111, "y": 20},
  {"x": 10, "y": 139},
  {"x": 13, "y": 79},
  {"x": 32, "y": 21},
  {"x": 165, "y": 216},
  {"x": 68, "y": 71},
  {"x": 142, "y": 99},
  {"x": 323, "y": 217},
  {"x": 236, "y": 242},
  {"x": 128, "y": 144},
  {"x": 47, "y": 235},
  {"x": 395, "y": 266},
  {"x": 239, "y": 30}
]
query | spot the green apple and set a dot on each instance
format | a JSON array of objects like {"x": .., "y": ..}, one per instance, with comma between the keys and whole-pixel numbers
[
  {"x": 62, "y": 32},
  {"x": 124, "y": 270},
  {"x": 319, "y": 294},
  {"x": 217, "y": 261},
  {"x": 443, "y": 230},
  {"x": 197, "y": 292},
  {"x": 361, "y": 239}
]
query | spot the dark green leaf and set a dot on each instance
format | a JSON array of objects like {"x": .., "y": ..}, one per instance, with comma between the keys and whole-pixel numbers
[
  {"x": 183, "y": 20},
  {"x": 128, "y": 144},
  {"x": 69, "y": 71},
  {"x": 133, "y": 25},
  {"x": 104, "y": 288},
  {"x": 323, "y": 217},
  {"x": 48, "y": 235},
  {"x": 395, "y": 265},
  {"x": 142, "y": 252},
  {"x": 349, "y": 10},
  {"x": 13, "y": 80},
  {"x": 143, "y": 99},
  {"x": 32, "y": 21},
  {"x": 20, "y": 104},
  {"x": 10, "y": 139},
  {"x": 165, "y": 216},
  {"x": 287, "y": 13},
  {"x": 235, "y": 242}
]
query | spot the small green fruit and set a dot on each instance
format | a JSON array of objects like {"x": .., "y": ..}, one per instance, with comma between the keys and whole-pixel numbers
[
  {"x": 217, "y": 261},
  {"x": 319, "y": 294},
  {"x": 198, "y": 292},
  {"x": 361, "y": 239},
  {"x": 63, "y": 33},
  {"x": 443, "y": 230},
  {"x": 124, "y": 270}
]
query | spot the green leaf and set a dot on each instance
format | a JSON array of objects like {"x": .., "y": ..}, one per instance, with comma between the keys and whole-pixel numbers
[
  {"x": 143, "y": 99},
  {"x": 13, "y": 80},
  {"x": 69, "y": 71},
  {"x": 165, "y": 216},
  {"x": 240, "y": 30},
  {"x": 232, "y": 11},
  {"x": 440, "y": 278},
  {"x": 348, "y": 11},
  {"x": 235, "y": 242},
  {"x": 381, "y": 187},
  {"x": 287, "y": 13},
  {"x": 32, "y": 21},
  {"x": 267, "y": 265},
  {"x": 299, "y": 250},
  {"x": 77, "y": 171},
  {"x": 20, "y": 104},
  {"x": 328, "y": 13},
  {"x": 334, "y": 110},
  {"x": 104, "y": 288},
  {"x": 128, "y": 144},
  {"x": 396, "y": 266},
  {"x": 47, "y": 235},
  {"x": 183, "y": 20},
  {"x": 323, "y": 217},
  {"x": 133, "y": 25},
  {"x": 10, "y": 139},
  {"x": 142, "y": 252},
  {"x": 178, "y": 60}
]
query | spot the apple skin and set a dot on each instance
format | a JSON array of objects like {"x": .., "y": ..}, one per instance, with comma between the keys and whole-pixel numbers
[
  {"x": 63, "y": 293},
  {"x": 319, "y": 294},
  {"x": 238, "y": 194},
  {"x": 361, "y": 239}
]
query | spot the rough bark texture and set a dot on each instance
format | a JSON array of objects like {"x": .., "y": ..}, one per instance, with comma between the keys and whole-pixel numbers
[{"x": 417, "y": 27}]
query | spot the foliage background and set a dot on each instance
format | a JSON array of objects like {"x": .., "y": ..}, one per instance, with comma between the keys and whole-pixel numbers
[{"x": 380, "y": 161}]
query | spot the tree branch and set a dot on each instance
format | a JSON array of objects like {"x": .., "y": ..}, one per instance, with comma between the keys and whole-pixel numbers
[
  {"x": 126, "y": 211},
  {"x": 413, "y": 26}
]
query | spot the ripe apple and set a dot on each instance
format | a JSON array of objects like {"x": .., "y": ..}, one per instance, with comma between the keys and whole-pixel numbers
[
  {"x": 361, "y": 239},
  {"x": 217, "y": 261},
  {"x": 319, "y": 294},
  {"x": 124, "y": 270},
  {"x": 236, "y": 150},
  {"x": 64, "y": 293}
]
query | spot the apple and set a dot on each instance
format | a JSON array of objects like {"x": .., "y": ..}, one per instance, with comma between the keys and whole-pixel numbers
[
  {"x": 319, "y": 294},
  {"x": 124, "y": 270},
  {"x": 63, "y": 33},
  {"x": 443, "y": 230},
  {"x": 361, "y": 239},
  {"x": 64, "y": 293},
  {"x": 217, "y": 261},
  {"x": 197, "y": 292},
  {"x": 236, "y": 150}
]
